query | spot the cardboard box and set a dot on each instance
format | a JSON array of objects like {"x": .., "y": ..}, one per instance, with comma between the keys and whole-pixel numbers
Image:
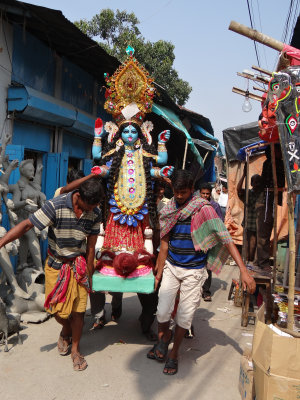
[
  {"x": 246, "y": 384},
  {"x": 276, "y": 364}
]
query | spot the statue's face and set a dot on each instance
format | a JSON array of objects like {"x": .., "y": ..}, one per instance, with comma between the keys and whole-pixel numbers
[
  {"x": 130, "y": 135},
  {"x": 28, "y": 171}
]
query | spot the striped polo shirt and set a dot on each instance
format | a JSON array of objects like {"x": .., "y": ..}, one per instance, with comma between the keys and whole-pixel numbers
[
  {"x": 181, "y": 251},
  {"x": 66, "y": 234}
]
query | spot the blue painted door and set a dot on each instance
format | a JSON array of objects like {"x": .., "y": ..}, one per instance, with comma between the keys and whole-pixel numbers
[
  {"x": 63, "y": 168},
  {"x": 51, "y": 174},
  {"x": 54, "y": 176},
  {"x": 87, "y": 165}
]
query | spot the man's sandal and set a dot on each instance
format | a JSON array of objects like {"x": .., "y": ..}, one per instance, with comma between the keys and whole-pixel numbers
[
  {"x": 161, "y": 347},
  {"x": 171, "y": 367},
  {"x": 64, "y": 344},
  {"x": 79, "y": 363},
  {"x": 98, "y": 324}
]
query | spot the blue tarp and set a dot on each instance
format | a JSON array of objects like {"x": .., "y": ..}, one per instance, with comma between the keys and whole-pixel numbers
[
  {"x": 174, "y": 120},
  {"x": 241, "y": 155},
  {"x": 220, "y": 148}
]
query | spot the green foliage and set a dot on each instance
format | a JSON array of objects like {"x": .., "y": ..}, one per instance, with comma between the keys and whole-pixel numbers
[{"x": 118, "y": 30}]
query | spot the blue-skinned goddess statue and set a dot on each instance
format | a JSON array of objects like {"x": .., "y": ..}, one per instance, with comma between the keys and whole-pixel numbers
[{"x": 127, "y": 159}]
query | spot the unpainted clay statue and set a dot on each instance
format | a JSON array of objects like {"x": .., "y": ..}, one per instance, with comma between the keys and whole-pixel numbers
[{"x": 27, "y": 198}]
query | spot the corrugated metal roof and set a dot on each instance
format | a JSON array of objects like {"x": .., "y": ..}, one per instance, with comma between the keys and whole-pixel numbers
[{"x": 60, "y": 34}]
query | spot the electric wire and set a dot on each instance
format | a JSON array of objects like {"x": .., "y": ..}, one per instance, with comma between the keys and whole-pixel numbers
[
  {"x": 294, "y": 22},
  {"x": 252, "y": 26},
  {"x": 261, "y": 30}
]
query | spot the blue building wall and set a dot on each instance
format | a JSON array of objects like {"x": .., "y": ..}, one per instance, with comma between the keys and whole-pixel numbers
[
  {"x": 32, "y": 136},
  {"x": 33, "y": 62},
  {"x": 54, "y": 142},
  {"x": 77, "y": 86}
]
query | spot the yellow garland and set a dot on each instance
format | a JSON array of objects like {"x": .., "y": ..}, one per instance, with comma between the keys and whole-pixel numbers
[{"x": 127, "y": 205}]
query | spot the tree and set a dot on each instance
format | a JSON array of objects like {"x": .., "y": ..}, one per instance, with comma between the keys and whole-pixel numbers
[{"x": 118, "y": 30}]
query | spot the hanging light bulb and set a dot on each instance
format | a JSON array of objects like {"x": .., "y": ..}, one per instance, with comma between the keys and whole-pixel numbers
[{"x": 247, "y": 106}]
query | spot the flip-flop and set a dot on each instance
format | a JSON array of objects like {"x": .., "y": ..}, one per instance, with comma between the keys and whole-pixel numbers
[
  {"x": 99, "y": 323},
  {"x": 171, "y": 364},
  {"x": 79, "y": 362},
  {"x": 163, "y": 348},
  {"x": 63, "y": 347},
  {"x": 189, "y": 334},
  {"x": 151, "y": 353}
]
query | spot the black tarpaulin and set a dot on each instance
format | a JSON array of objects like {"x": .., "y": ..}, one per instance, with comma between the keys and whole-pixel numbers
[{"x": 239, "y": 136}]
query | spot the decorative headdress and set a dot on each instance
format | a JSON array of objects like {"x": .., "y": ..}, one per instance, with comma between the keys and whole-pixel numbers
[{"x": 129, "y": 94}]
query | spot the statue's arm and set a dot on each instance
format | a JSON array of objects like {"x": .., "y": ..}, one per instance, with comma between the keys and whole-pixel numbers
[
  {"x": 99, "y": 134},
  {"x": 163, "y": 138},
  {"x": 18, "y": 203},
  {"x": 12, "y": 165}
]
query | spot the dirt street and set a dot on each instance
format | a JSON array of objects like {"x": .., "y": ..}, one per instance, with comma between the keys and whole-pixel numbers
[{"x": 118, "y": 368}]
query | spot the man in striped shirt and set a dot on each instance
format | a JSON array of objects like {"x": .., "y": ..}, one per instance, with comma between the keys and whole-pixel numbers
[
  {"x": 74, "y": 224},
  {"x": 192, "y": 237}
]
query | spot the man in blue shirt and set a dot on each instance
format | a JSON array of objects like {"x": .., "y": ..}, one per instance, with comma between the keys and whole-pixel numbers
[{"x": 192, "y": 237}]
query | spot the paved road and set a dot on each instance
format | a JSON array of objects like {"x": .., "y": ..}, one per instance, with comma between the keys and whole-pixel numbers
[{"x": 118, "y": 368}]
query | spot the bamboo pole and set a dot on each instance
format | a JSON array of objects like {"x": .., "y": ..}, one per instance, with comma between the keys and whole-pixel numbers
[
  {"x": 243, "y": 93},
  {"x": 261, "y": 79},
  {"x": 185, "y": 152},
  {"x": 244, "y": 250},
  {"x": 264, "y": 71},
  {"x": 274, "y": 173},
  {"x": 259, "y": 89},
  {"x": 255, "y": 35},
  {"x": 292, "y": 248}
]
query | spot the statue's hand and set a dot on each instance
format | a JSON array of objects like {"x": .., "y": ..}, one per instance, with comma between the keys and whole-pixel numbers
[
  {"x": 31, "y": 208},
  {"x": 14, "y": 164},
  {"x": 164, "y": 136},
  {"x": 99, "y": 129},
  {"x": 166, "y": 171},
  {"x": 102, "y": 231},
  {"x": 7, "y": 138},
  {"x": 148, "y": 233},
  {"x": 39, "y": 168},
  {"x": 96, "y": 170},
  {"x": 30, "y": 205}
]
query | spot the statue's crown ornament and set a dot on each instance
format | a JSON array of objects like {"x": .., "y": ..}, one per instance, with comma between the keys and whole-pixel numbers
[{"x": 130, "y": 91}]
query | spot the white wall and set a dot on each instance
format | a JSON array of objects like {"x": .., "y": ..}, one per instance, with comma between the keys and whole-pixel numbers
[{"x": 6, "y": 49}]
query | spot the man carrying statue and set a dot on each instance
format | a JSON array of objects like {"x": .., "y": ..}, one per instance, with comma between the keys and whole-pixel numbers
[{"x": 74, "y": 224}]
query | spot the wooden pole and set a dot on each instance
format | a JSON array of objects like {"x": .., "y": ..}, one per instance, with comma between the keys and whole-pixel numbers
[
  {"x": 264, "y": 71},
  {"x": 261, "y": 79},
  {"x": 244, "y": 250},
  {"x": 243, "y": 93},
  {"x": 259, "y": 89},
  {"x": 255, "y": 35},
  {"x": 292, "y": 259},
  {"x": 273, "y": 158},
  {"x": 185, "y": 152}
]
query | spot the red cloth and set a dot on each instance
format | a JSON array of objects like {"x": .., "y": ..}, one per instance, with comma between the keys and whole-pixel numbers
[
  {"x": 58, "y": 294},
  {"x": 293, "y": 53},
  {"x": 122, "y": 236}
]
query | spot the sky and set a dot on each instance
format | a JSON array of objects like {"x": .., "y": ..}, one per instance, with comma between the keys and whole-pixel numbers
[{"x": 208, "y": 55}]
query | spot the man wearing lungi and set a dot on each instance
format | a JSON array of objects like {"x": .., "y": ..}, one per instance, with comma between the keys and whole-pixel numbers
[{"x": 74, "y": 223}]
